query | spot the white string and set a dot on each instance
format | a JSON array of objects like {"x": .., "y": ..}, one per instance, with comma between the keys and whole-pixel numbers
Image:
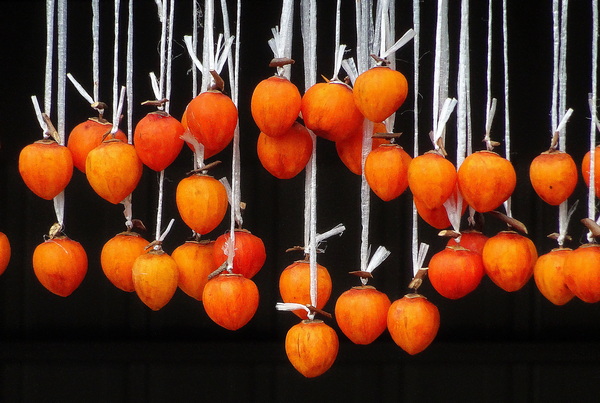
[
  {"x": 378, "y": 257},
  {"x": 208, "y": 57},
  {"x": 562, "y": 76},
  {"x": 419, "y": 259},
  {"x": 444, "y": 115},
  {"x": 38, "y": 115},
  {"x": 59, "y": 200},
  {"x": 129, "y": 73},
  {"x": 161, "y": 180},
  {"x": 416, "y": 59},
  {"x": 592, "y": 103},
  {"x": 337, "y": 230},
  {"x": 291, "y": 306},
  {"x": 286, "y": 24},
  {"x": 116, "y": 63},
  {"x": 169, "y": 56},
  {"x": 194, "y": 47},
  {"x": 163, "y": 12},
  {"x": 365, "y": 195},
  {"x": 350, "y": 69},
  {"x": 119, "y": 108},
  {"x": 50, "y": 5},
  {"x": 80, "y": 89},
  {"x": 463, "y": 67},
  {"x": 407, "y": 37},
  {"x": 164, "y": 234},
  {"x": 441, "y": 63},
  {"x": 192, "y": 53},
  {"x": 508, "y": 202}
]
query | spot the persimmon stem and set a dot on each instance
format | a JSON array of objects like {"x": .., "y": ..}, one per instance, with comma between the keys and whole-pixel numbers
[
  {"x": 418, "y": 279},
  {"x": 512, "y": 222}
]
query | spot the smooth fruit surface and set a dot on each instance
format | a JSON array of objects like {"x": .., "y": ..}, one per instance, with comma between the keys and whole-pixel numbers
[
  {"x": 202, "y": 202},
  {"x": 249, "y": 252},
  {"x": 294, "y": 285},
  {"x": 386, "y": 171},
  {"x": 286, "y": 155},
  {"x": 157, "y": 140},
  {"x": 413, "y": 323},
  {"x": 582, "y": 272},
  {"x": 432, "y": 179},
  {"x": 4, "y": 252},
  {"x": 350, "y": 149},
  {"x": 553, "y": 176},
  {"x": 473, "y": 240},
  {"x": 549, "y": 276},
  {"x": 117, "y": 257},
  {"x": 311, "y": 347},
  {"x": 230, "y": 300},
  {"x": 195, "y": 262},
  {"x": 455, "y": 271},
  {"x": 275, "y": 105},
  {"x": 155, "y": 278},
  {"x": 86, "y": 136},
  {"x": 379, "y": 92},
  {"x": 46, "y": 168}
]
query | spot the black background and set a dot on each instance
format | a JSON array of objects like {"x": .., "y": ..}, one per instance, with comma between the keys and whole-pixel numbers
[{"x": 101, "y": 344}]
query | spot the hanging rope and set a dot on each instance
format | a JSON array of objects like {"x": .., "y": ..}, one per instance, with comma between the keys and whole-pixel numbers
[
  {"x": 416, "y": 59},
  {"x": 594, "y": 120}
]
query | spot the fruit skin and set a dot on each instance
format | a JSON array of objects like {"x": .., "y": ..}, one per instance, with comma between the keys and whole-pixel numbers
[
  {"x": 486, "y": 180},
  {"x": 553, "y": 176},
  {"x": 294, "y": 285},
  {"x": 508, "y": 259},
  {"x": 86, "y": 136},
  {"x": 286, "y": 155},
  {"x": 455, "y": 271},
  {"x": 113, "y": 170},
  {"x": 350, "y": 149},
  {"x": 250, "y": 254},
  {"x": 386, "y": 171},
  {"x": 379, "y": 92},
  {"x": 582, "y": 272},
  {"x": 117, "y": 258},
  {"x": 202, "y": 202},
  {"x": 472, "y": 240},
  {"x": 275, "y": 105},
  {"x": 549, "y": 276},
  {"x": 195, "y": 262},
  {"x": 361, "y": 313},
  {"x": 436, "y": 217},
  {"x": 328, "y": 110},
  {"x": 155, "y": 278},
  {"x": 60, "y": 264},
  {"x": 212, "y": 117},
  {"x": 230, "y": 300},
  {"x": 157, "y": 140},
  {"x": 432, "y": 179},
  {"x": 4, "y": 252},
  {"x": 312, "y": 347},
  {"x": 413, "y": 323},
  {"x": 46, "y": 168}
]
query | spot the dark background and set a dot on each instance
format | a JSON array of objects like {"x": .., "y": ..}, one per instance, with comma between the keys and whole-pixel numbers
[{"x": 101, "y": 344}]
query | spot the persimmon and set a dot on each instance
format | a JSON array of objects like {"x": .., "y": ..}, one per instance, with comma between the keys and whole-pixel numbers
[
  {"x": 549, "y": 276},
  {"x": 60, "y": 264},
  {"x": 46, "y": 168},
  {"x": 202, "y": 202},
  {"x": 361, "y": 313},
  {"x": 275, "y": 105},
  {"x": 413, "y": 323},
  {"x": 553, "y": 175},
  {"x": 437, "y": 217},
  {"x": 312, "y": 347},
  {"x": 508, "y": 259},
  {"x": 287, "y": 154},
  {"x": 585, "y": 169},
  {"x": 486, "y": 180},
  {"x": 88, "y": 135},
  {"x": 4, "y": 252},
  {"x": 113, "y": 170},
  {"x": 455, "y": 271},
  {"x": 117, "y": 258},
  {"x": 432, "y": 179},
  {"x": 582, "y": 272},
  {"x": 157, "y": 140},
  {"x": 350, "y": 149},
  {"x": 328, "y": 110},
  {"x": 386, "y": 171},
  {"x": 212, "y": 117},
  {"x": 230, "y": 300},
  {"x": 250, "y": 254},
  {"x": 379, "y": 92},
  {"x": 470, "y": 239},
  {"x": 195, "y": 262},
  {"x": 294, "y": 285},
  {"x": 155, "y": 276}
]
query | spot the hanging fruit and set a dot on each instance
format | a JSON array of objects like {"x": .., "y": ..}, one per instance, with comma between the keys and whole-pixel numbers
[
  {"x": 117, "y": 258},
  {"x": 508, "y": 259},
  {"x": 4, "y": 252},
  {"x": 486, "y": 180},
  {"x": 250, "y": 254},
  {"x": 60, "y": 264},
  {"x": 470, "y": 239},
  {"x": 582, "y": 272},
  {"x": 350, "y": 150},
  {"x": 553, "y": 175},
  {"x": 328, "y": 110},
  {"x": 287, "y": 154},
  {"x": 549, "y": 276},
  {"x": 361, "y": 313},
  {"x": 455, "y": 271},
  {"x": 436, "y": 217},
  {"x": 379, "y": 92},
  {"x": 432, "y": 179},
  {"x": 294, "y": 285},
  {"x": 312, "y": 347},
  {"x": 46, "y": 168},
  {"x": 195, "y": 262},
  {"x": 155, "y": 278},
  {"x": 413, "y": 323},
  {"x": 113, "y": 170},
  {"x": 585, "y": 169},
  {"x": 88, "y": 135},
  {"x": 386, "y": 171},
  {"x": 275, "y": 105},
  {"x": 202, "y": 202},
  {"x": 230, "y": 300},
  {"x": 157, "y": 140}
]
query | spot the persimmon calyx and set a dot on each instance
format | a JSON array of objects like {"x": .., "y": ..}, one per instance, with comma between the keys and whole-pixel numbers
[
  {"x": 156, "y": 102},
  {"x": 281, "y": 61},
  {"x": 219, "y": 83},
  {"x": 556, "y": 235},
  {"x": 51, "y": 130},
  {"x": 204, "y": 169},
  {"x": 55, "y": 231},
  {"x": 511, "y": 222},
  {"x": 592, "y": 226},
  {"x": 380, "y": 61},
  {"x": 361, "y": 274},
  {"x": 449, "y": 233}
]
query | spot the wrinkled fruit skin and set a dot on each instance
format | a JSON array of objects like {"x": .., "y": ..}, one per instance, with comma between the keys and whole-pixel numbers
[
  {"x": 486, "y": 180},
  {"x": 432, "y": 179},
  {"x": 250, "y": 254},
  {"x": 4, "y": 252},
  {"x": 386, "y": 171},
  {"x": 202, "y": 202},
  {"x": 361, "y": 314},
  {"x": 155, "y": 278},
  {"x": 549, "y": 276},
  {"x": 230, "y": 300},
  {"x": 60, "y": 264},
  {"x": 117, "y": 258},
  {"x": 86, "y": 136},
  {"x": 553, "y": 176},
  {"x": 195, "y": 262},
  {"x": 413, "y": 323},
  {"x": 582, "y": 272},
  {"x": 294, "y": 285},
  {"x": 455, "y": 271},
  {"x": 275, "y": 105},
  {"x": 286, "y": 155},
  {"x": 508, "y": 259},
  {"x": 350, "y": 149},
  {"x": 311, "y": 347},
  {"x": 379, "y": 92},
  {"x": 46, "y": 168},
  {"x": 157, "y": 140}
]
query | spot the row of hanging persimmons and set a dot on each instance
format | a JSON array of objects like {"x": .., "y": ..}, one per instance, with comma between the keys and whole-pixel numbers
[{"x": 335, "y": 111}]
